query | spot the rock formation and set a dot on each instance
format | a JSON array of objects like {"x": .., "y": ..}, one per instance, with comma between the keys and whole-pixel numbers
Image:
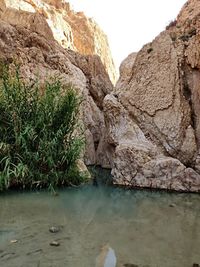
[
  {"x": 153, "y": 118},
  {"x": 26, "y": 37},
  {"x": 148, "y": 129},
  {"x": 73, "y": 30}
]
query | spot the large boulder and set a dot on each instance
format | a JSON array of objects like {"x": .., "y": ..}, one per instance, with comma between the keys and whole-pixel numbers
[
  {"x": 136, "y": 160},
  {"x": 153, "y": 119}
]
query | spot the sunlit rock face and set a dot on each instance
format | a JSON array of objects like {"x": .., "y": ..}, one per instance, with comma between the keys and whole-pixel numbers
[
  {"x": 148, "y": 129},
  {"x": 153, "y": 118},
  {"x": 27, "y": 38},
  {"x": 73, "y": 30}
]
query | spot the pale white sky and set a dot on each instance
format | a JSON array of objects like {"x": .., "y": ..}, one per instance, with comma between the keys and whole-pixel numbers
[{"x": 129, "y": 24}]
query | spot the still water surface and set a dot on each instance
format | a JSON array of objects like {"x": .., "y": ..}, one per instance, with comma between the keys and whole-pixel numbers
[{"x": 154, "y": 229}]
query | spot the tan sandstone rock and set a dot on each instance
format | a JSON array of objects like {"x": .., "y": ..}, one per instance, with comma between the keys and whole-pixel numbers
[
  {"x": 137, "y": 162},
  {"x": 135, "y": 166},
  {"x": 157, "y": 99},
  {"x": 73, "y": 30},
  {"x": 125, "y": 70}
]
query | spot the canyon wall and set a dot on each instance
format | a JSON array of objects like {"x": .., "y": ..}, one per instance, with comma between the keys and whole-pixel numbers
[
  {"x": 27, "y": 38},
  {"x": 147, "y": 130},
  {"x": 153, "y": 117},
  {"x": 73, "y": 30}
]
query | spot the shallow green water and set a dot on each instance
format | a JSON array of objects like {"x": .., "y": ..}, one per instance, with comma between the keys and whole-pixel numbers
[{"x": 140, "y": 226}]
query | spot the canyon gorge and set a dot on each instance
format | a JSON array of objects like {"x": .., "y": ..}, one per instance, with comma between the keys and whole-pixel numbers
[{"x": 146, "y": 128}]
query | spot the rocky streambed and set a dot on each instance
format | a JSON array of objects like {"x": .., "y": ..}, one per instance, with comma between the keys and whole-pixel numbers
[{"x": 143, "y": 228}]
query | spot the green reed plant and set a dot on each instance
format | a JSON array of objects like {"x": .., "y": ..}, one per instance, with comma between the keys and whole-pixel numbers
[{"x": 40, "y": 137}]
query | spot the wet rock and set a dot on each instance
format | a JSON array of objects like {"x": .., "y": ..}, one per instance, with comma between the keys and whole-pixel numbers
[
  {"x": 54, "y": 229},
  {"x": 34, "y": 251},
  {"x": 172, "y": 205},
  {"x": 7, "y": 255},
  {"x": 13, "y": 241},
  {"x": 54, "y": 244},
  {"x": 82, "y": 168}
]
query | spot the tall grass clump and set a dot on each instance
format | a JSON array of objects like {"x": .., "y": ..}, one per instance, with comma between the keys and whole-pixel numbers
[{"x": 40, "y": 138}]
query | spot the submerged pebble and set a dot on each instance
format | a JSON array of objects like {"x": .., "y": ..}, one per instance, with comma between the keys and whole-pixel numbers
[
  {"x": 13, "y": 241},
  {"x": 54, "y": 244},
  {"x": 54, "y": 229}
]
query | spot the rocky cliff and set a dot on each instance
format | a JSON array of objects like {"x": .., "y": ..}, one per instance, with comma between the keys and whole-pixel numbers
[
  {"x": 27, "y": 38},
  {"x": 148, "y": 129},
  {"x": 153, "y": 117},
  {"x": 73, "y": 30}
]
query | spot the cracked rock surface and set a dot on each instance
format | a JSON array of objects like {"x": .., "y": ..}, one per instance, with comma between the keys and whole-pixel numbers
[{"x": 153, "y": 118}]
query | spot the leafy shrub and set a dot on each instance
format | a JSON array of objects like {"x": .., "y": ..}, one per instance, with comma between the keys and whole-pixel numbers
[{"x": 40, "y": 138}]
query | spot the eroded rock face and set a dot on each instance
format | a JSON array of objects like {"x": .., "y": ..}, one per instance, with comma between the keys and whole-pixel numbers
[
  {"x": 153, "y": 119},
  {"x": 148, "y": 129},
  {"x": 73, "y": 30},
  {"x": 136, "y": 166},
  {"x": 25, "y": 37},
  {"x": 125, "y": 70},
  {"x": 155, "y": 96}
]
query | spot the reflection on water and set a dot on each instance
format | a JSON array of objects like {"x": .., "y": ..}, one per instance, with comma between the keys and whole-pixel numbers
[{"x": 144, "y": 228}]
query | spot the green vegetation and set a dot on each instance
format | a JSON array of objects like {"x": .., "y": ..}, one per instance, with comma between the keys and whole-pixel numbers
[{"x": 40, "y": 138}]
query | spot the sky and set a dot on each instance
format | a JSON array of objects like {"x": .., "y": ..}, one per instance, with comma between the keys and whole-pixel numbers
[{"x": 129, "y": 24}]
